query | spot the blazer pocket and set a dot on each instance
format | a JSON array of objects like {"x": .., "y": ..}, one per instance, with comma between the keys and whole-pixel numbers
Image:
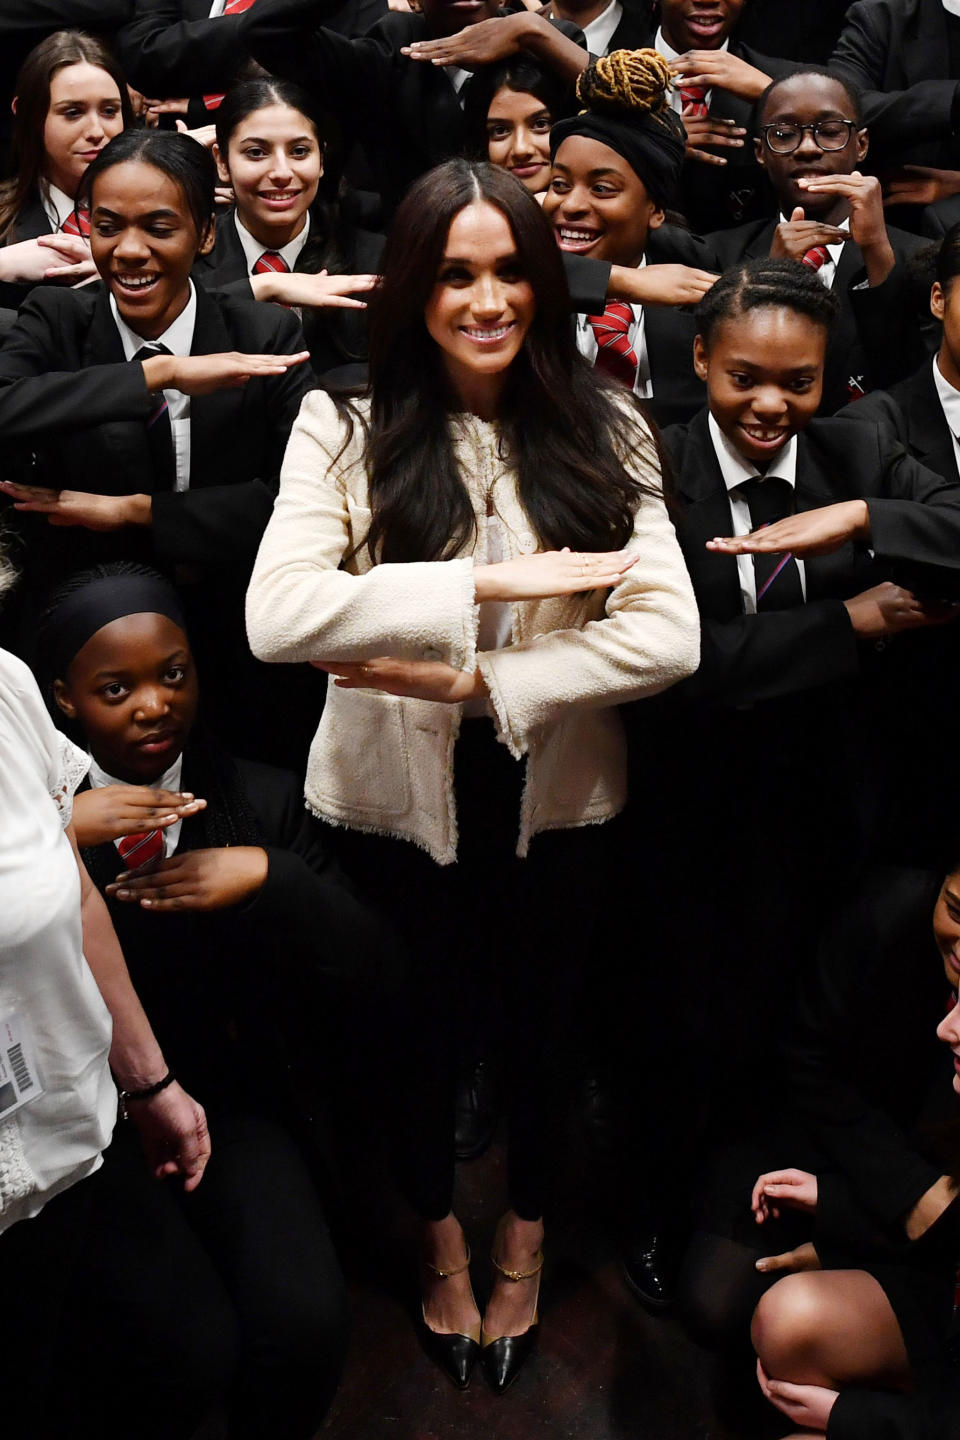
[{"x": 359, "y": 759}]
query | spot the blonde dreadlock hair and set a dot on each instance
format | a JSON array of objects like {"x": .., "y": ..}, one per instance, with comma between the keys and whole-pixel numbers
[{"x": 627, "y": 80}]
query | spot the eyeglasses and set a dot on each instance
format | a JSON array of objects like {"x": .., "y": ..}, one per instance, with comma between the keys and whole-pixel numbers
[{"x": 783, "y": 138}]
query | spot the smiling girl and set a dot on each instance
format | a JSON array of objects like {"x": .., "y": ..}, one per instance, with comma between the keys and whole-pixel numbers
[
  {"x": 479, "y": 552},
  {"x": 508, "y": 111},
  {"x": 70, "y": 101},
  {"x": 166, "y": 410},
  {"x": 285, "y": 240}
]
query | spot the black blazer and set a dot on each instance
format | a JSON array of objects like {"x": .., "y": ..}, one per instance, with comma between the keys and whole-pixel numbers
[
  {"x": 198, "y": 975},
  {"x": 73, "y": 412},
  {"x": 870, "y": 1414},
  {"x": 405, "y": 114},
  {"x": 876, "y": 339},
  {"x": 334, "y": 338},
  {"x": 896, "y": 54},
  {"x": 914, "y": 522},
  {"x": 912, "y": 412},
  {"x": 31, "y": 221},
  {"x": 806, "y": 33},
  {"x": 172, "y": 48},
  {"x": 940, "y": 217}
]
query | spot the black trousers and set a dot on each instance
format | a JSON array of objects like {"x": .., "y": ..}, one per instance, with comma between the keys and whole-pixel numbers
[
  {"x": 513, "y": 935},
  {"x": 166, "y": 1306}
]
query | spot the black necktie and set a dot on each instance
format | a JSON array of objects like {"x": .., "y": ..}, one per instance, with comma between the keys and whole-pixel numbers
[
  {"x": 777, "y": 576},
  {"x": 159, "y": 433}
]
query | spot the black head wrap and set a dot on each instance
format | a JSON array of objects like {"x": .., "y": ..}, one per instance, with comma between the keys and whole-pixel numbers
[
  {"x": 84, "y": 611},
  {"x": 626, "y": 93}
]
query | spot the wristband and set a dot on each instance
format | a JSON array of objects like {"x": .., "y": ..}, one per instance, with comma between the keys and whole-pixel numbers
[{"x": 147, "y": 1093}]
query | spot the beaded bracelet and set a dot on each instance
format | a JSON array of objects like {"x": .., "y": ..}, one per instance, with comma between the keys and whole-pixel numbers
[{"x": 147, "y": 1093}]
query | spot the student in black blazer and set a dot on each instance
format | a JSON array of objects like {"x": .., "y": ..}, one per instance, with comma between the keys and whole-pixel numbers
[
  {"x": 806, "y": 33},
  {"x": 191, "y": 492},
  {"x": 178, "y": 48},
  {"x": 385, "y": 87},
  {"x": 71, "y": 100},
  {"x": 720, "y": 80},
  {"x": 614, "y": 168},
  {"x": 232, "y": 913},
  {"x": 768, "y": 748},
  {"x": 285, "y": 240},
  {"x": 903, "y": 56},
  {"x": 823, "y": 200}
]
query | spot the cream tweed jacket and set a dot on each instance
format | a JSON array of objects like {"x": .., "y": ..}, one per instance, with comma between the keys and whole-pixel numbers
[{"x": 384, "y": 763}]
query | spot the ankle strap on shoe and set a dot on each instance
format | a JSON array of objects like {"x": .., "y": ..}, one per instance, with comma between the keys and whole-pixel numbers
[
  {"x": 446, "y": 1274},
  {"x": 519, "y": 1274}
]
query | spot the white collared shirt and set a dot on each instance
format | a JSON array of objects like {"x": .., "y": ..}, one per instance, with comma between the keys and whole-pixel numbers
[
  {"x": 458, "y": 78},
  {"x": 950, "y": 404},
  {"x": 252, "y": 249},
  {"x": 828, "y": 270},
  {"x": 602, "y": 28},
  {"x": 735, "y": 470},
  {"x": 57, "y": 205},
  {"x": 587, "y": 345},
  {"x": 178, "y": 339},
  {"x": 169, "y": 780},
  {"x": 669, "y": 54}
]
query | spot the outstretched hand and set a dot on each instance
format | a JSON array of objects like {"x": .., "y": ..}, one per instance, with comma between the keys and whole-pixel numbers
[
  {"x": 552, "y": 572},
  {"x": 112, "y": 811},
  {"x": 479, "y": 44},
  {"x": 710, "y": 130},
  {"x": 810, "y": 532},
  {"x": 415, "y": 679},
  {"x": 211, "y": 879},
  {"x": 79, "y": 507}
]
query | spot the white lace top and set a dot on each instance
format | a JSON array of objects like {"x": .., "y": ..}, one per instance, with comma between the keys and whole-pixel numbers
[{"x": 46, "y": 988}]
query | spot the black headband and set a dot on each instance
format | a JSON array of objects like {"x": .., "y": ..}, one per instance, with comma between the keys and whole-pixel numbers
[
  {"x": 653, "y": 146},
  {"x": 114, "y": 597}
]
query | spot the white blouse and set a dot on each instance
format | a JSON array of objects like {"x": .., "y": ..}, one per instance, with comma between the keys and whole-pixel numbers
[{"x": 55, "y": 1030}]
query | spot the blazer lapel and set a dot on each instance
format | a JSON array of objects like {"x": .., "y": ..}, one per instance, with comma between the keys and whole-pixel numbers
[
  {"x": 928, "y": 434},
  {"x": 826, "y": 575},
  {"x": 212, "y": 417},
  {"x": 705, "y": 512},
  {"x": 926, "y": 55},
  {"x": 125, "y": 440}
]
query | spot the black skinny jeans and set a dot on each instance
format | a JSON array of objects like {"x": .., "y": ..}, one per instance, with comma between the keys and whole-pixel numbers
[{"x": 518, "y": 930}]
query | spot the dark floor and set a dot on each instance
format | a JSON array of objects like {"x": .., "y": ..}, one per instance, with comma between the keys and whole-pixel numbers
[{"x": 604, "y": 1369}]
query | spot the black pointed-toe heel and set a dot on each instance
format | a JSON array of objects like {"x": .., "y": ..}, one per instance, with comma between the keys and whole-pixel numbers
[
  {"x": 503, "y": 1358},
  {"x": 456, "y": 1355}
]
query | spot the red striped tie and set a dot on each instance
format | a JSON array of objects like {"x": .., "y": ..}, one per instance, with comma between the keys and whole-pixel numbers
[
  {"x": 271, "y": 261},
  {"x": 139, "y": 851},
  {"x": 77, "y": 223},
  {"x": 816, "y": 257},
  {"x": 615, "y": 355},
  {"x": 232, "y": 7},
  {"x": 693, "y": 98}
]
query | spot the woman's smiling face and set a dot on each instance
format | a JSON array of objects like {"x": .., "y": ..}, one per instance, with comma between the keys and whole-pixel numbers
[
  {"x": 518, "y": 136},
  {"x": 85, "y": 112},
  {"x": 274, "y": 163},
  {"x": 144, "y": 243},
  {"x": 597, "y": 203}
]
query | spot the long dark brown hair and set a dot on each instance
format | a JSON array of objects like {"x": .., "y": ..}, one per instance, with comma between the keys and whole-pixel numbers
[
  {"x": 561, "y": 427},
  {"x": 66, "y": 47}
]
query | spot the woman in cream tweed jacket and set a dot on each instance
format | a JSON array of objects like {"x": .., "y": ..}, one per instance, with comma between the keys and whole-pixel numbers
[{"x": 442, "y": 647}]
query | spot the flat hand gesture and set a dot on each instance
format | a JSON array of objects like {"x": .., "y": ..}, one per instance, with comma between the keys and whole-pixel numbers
[
  {"x": 47, "y": 257},
  {"x": 173, "y": 1133},
  {"x": 796, "y": 1189},
  {"x": 920, "y": 185},
  {"x": 552, "y": 572},
  {"x": 314, "y": 292},
  {"x": 710, "y": 130},
  {"x": 196, "y": 880},
  {"x": 660, "y": 284},
  {"x": 415, "y": 679},
  {"x": 78, "y": 507},
  {"x": 794, "y": 237},
  {"x": 811, "y": 532},
  {"x": 718, "y": 69},
  {"x": 808, "y": 1406},
  {"x": 479, "y": 44},
  {"x": 204, "y": 374},
  {"x": 112, "y": 811}
]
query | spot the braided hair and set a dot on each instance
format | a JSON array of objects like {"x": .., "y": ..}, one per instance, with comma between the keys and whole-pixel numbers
[
  {"x": 632, "y": 81},
  {"x": 765, "y": 283},
  {"x": 228, "y": 818}
]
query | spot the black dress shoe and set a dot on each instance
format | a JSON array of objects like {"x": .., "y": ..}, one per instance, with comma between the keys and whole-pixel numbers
[
  {"x": 456, "y": 1355},
  {"x": 650, "y": 1266},
  {"x": 502, "y": 1359},
  {"x": 477, "y": 1109}
]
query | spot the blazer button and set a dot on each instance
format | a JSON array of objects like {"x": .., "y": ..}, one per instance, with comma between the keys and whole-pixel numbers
[{"x": 879, "y": 646}]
